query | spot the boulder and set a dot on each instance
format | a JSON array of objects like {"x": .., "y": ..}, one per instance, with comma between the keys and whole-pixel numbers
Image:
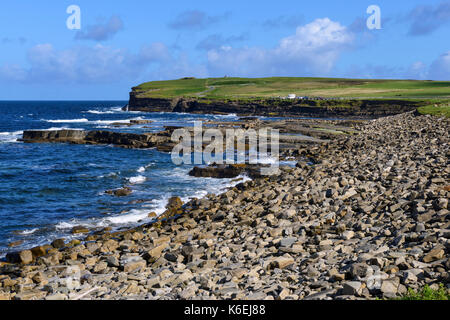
[
  {"x": 58, "y": 243},
  {"x": 435, "y": 254},
  {"x": 122, "y": 192},
  {"x": 23, "y": 257},
  {"x": 79, "y": 229}
]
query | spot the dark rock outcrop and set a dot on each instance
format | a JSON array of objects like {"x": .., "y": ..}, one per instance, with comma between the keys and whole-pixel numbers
[
  {"x": 125, "y": 140},
  {"x": 275, "y": 107},
  {"x": 226, "y": 171}
]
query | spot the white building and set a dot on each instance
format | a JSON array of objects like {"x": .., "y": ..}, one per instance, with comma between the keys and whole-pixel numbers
[{"x": 291, "y": 96}]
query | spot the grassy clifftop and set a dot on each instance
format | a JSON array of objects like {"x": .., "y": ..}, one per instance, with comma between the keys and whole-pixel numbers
[{"x": 248, "y": 88}]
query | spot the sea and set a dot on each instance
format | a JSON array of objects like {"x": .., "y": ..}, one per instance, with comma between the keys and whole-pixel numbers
[{"x": 47, "y": 189}]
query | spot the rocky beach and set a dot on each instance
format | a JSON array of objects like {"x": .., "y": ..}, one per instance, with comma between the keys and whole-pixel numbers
[{"x": 363, "y": 214}]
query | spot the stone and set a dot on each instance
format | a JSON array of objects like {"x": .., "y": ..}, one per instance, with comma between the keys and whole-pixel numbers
[
  {"x": 156, "y": 252},
  {"x": 112, "y": 261},
  {"x": 39, "y": 251},
  {"x": 30, "y": 295},
  {"x": 56, "y": 297},
  {"x": 335, "y": 275},
  {"x": 324, "y": 244},
  {"x": 170, "y": 256},
  {"x": 26, "y": 256},
  {"x": 23, "y": 257},
  {"x": 4, "y": 296},
  {"x": 360, "y": 270},
  {"x": 409, "y": 277},
  {"x": 352, "y": 288},
  {"x": 184, "y": 277},
  {"x": 40, "y": 278},
  {"x": 58, "y": 243},
  {"x": 282, "y": 262},
  {"x": 389, "y": 288},
  {"x": 131, "y": 263},
  {"x": 420, "y": 227},
  {"x": 79, "y": 229},
  {"x": 347, "y": 235},
  {"x": 288, "y": 242},
  {"x": 349, "y": 194},
  {"x": 187, "y": 293},
  {"x": 435, "y": 254}
]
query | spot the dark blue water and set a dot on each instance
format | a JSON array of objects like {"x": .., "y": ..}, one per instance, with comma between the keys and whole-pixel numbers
[{"x": 46, "y": 189}]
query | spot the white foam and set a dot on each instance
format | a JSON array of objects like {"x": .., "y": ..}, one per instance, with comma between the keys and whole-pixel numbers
[
  {"x": 141, "y": 169},
  {"x": 58, "y": 128},
  {"x": 112, "y": 174},
  {"x": 69, "y": 121},
  {"x": 138, "y": 216},
  {"x": 132, "y": 216},
  {"x": 106, "y": 122},
  {"x": 65, "y": 225},
  {"x": 98, "y": 112},
  {"x": 137, "y": 179},
  {"x": 8, "y": 137},
  {"x": 29, "y": 231},
  {"x": 267, "y": 160}
]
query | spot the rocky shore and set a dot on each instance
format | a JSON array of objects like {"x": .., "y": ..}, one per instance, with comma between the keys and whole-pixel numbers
[{"x": 362, "y": 216}]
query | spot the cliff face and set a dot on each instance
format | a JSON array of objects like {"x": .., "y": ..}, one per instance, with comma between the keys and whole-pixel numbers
[{"x": 275, "y": 107}]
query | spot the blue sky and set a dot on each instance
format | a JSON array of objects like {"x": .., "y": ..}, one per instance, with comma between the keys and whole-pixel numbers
[{"x": 123, "y": 43}]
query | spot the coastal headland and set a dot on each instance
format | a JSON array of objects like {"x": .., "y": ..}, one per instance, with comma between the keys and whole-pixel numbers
[{"x": 281, "y": 97}]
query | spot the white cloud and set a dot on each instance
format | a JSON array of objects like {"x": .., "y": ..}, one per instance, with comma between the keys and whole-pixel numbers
[
  {"x": 313, "y": 49},
  {"x": 100, "y": 64},
  {"x": 440, "y": 68}
]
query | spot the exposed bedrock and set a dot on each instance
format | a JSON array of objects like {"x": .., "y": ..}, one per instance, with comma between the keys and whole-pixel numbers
[
  {"x": 126, "y": 140},
  {"x": 275, "y": 107},
  {"x": 226, "y": 171}
]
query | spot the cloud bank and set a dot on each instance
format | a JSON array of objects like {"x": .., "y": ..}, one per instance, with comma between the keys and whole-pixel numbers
[{"x": 99, "y": 64}]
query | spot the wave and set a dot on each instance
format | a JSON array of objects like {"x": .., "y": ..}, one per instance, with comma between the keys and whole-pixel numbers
[
  {"x": 9, "y": 137},
  {"x": 27, "y": 232},
  {"x": 100, "y": 122},
  {"x": 137, "y": 179},
  {"x": 135, "y": 217},
  {"x": 68, "y": 121},
  {"x": 112, "y": 110},
  {"x": 99, "y": 112}
]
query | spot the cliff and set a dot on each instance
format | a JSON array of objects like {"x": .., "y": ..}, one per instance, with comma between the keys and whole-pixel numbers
[{"x": 275, "y": 107}]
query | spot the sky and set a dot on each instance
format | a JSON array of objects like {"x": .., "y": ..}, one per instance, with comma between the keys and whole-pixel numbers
[{"x": 121, "y": 44}]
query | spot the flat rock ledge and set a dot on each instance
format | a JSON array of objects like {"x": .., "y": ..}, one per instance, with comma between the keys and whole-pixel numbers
[
  {"x": 369, "y": 219},
  {"x": 125, "y": 140}
]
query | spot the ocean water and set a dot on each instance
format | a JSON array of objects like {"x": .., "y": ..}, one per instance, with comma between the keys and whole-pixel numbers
[{"x": 47, "y": 189}]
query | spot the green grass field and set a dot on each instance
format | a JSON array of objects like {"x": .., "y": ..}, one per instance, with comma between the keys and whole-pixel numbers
[
  {"x": 436, "y": 110},
  {"x": 257, "y": 88}
]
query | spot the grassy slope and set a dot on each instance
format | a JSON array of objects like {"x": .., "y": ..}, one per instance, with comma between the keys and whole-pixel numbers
[
  {"x": 248, "y": 88},
  {"x": 436, "y": 110}
]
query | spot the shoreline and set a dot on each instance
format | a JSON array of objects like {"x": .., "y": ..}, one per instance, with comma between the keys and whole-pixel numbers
[{"x": 176, "y": 252}]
